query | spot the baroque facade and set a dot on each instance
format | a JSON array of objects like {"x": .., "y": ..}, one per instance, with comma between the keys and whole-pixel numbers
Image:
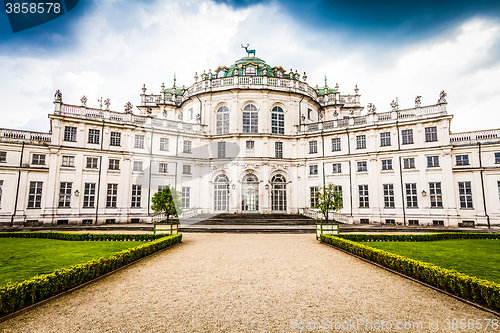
[{"x": 250, "y": 138}]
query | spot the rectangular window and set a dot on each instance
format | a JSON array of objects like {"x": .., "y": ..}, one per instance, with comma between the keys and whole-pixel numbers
[
  {"x": 362, "y": 166},
  {"x": 186, "y": 197},
  {"x": 186, "y": 169},
  {"x": 115, "y": 139},
  {"x": 277, "y": 122},
  {"x": 278, "y": 149},
  {"x": 3, "y": 157},
  {"x": 407, "y": 136},
  {"x": 337, "y": 168},
  {"x": 361, "y": 141},
  {"x": 38, "y": 159},
  {"x": 432, "y": 161},
  {"x": 411, "y": 196},
  {"x": 386, "y": 164},
  {"x": 94, "y": 135},
  {"x": 136, "y": 196},
  {"x": 164, "y": 144},
  {"x": 139, "y": 141},
  {"x": 68, "y": 161},
  {"x": 35, "y": 196},
  {"x": 114, "y": 164},
  {"x": 465, "y": 192},
  {"x": 314, "y": 196},
  {"x": 497, "y": 158},
  {"x": 250, "y": 122},
  {"x": 1, "y": 189},
  {"x": 92, "y": 162},
  {"x": 363, "y": 196},
  {"x": 70, "y": 134},
  {"x": 409, "y": 163},
  {"x": 65, "y": 194},
  {"x": 339, "y": 191},
  {"x": 89, "y": 195},
  {"x": 336, "y": 144},
  {"x": 431, "y": 134},
  {"x": 435, "y": 195},
  {"x": 137, "y": 166},
  {"x": 221, "y": 150},
  {"x": 313, "y": 147},
  {"x": 385, "y": 139},
  {"x": 313, "y": 169},
  {"x": 187, "y": 147},
  {"x": 388, "y": 195},
  {"x": 462, "y": 159},
  {"x": 112, "y": 195},
  {"x": 250, "y": 148},
  {"x": 162, "y": 168}
]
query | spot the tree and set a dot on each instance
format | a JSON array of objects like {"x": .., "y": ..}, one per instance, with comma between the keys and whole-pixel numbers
[
  {"x": 167, "y": 201},
  {"x": 328, "y": 198}
]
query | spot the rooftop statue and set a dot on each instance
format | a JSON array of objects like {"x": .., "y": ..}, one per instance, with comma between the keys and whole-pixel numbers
[{"x": 248, "y": 51}]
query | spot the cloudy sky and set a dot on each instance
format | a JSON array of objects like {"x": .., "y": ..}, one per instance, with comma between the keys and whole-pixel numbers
[{"x": 110, "y": 48}]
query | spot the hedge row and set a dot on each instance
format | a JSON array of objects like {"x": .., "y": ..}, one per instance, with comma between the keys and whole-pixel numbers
[
  {"x": 82, "y": 237},
  {"x": 15, "y": 296},
  {"x": 417, "y": 238},
  {"x": 476, "y": 290}
]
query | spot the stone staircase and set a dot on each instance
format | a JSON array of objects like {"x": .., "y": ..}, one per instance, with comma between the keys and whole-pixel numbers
[{"x": 278, "y": 223}]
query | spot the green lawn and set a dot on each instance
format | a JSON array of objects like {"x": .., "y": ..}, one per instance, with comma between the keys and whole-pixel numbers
[
  {"x": 22, "y": 258},
  {"x": 474, "y": 257}
]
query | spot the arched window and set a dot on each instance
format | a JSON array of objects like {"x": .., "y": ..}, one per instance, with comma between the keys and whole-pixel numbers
[
  {"x": 222, "y": 120},
  {"x": 220, "y": 73},
  {"x": 277, "y": 120},
  {"x": 278, "y": 193},
  {"x": 250, "y": 70},
  {"x": 221, "y": 193},
  {"x": 250, "y": 193},
  {"x": 250, "y": 119}
]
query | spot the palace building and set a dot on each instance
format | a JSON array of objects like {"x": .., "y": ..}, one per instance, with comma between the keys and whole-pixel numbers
[{"x": 250, "y": 138}]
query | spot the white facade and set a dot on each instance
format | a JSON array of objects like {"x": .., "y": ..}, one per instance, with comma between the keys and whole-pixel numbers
[{"x": 250, "y": 139}]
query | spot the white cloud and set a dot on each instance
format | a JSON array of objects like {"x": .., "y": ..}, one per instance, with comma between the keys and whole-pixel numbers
[{"x": 119, "y": 46}]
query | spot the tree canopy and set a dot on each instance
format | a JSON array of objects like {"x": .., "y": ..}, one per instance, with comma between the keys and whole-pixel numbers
[
  {"x": 167, "y": 201},
  {"x": 328, "y": 198}
]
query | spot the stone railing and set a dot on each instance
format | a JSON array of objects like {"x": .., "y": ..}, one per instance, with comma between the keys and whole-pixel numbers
[
  {"x": 191, "y": 212},
  {"x": 316, "y": 214},
  {"x": 466, "y": 138},
  {"x": 124, "y": 118},
  {"x": 257, "y": 82},
  {"x": 25, "y": 135},
  {"x": 392, "y": 116}
]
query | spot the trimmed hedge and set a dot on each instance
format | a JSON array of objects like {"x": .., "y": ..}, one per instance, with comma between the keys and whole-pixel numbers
[
  {"x": 70, "y": 236},
  {"x": 476, "y": 290},
  {"x": 15, "y": 296},
  {"x": 417, "y": 238}
]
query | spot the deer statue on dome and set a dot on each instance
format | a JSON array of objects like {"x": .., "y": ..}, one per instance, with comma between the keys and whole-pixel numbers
[{"x": 248, "y": 51}]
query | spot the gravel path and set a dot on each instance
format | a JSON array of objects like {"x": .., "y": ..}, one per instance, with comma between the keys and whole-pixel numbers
[{"x": 244, "y": 283}]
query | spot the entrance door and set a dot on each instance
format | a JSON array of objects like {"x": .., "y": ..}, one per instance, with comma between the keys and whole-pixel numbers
[
  {"x": 278, "y": 193},
  {"x": 250, "y": 194},
  {"x": 221, "y": 193}
]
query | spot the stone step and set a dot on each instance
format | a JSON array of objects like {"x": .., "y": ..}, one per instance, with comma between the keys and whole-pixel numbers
[{"x": 255, "y": 219}]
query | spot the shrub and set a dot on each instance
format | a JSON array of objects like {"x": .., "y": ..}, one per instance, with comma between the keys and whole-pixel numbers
[
  {"x": 476, "y": 290},
  {"x": 15, "y": 296},
  {"x": 417, "y": 238},
  {"x": 81, "y": 237}
]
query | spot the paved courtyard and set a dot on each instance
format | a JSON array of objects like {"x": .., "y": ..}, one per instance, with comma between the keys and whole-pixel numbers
[{"x": 245, "y": 283}]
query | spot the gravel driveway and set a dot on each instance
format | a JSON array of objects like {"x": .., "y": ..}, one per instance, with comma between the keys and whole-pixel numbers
[{"x": 247, "y": 282}]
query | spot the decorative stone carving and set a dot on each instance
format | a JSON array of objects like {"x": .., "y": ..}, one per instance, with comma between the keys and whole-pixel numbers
[
  {"x": 100, "y": 101},
  {"x": 149, "y": 111},
  {"x": 144, "y": 89},
  {"x": 418, "y": 102},
  {"x": 181, "y": 115},
  {"x": 356, "y": 90},
  {"x": 320, "y": 115},
  {"x": 371, "y": 108},
  {"x": 351, "y": 112},
  {"x": 303, "y": 118},
  {"x": 198, "y": 118},
  {"x": 195, "y": 76},
  {"x": 305, "y": 77},
  {"x": 84, "y": 100},
  {"x": 58, "y": 96},
  {"x": 394, "y": 105},
  {"x": 335, "y": 113},
  {"x": 107, "y": 103},
  {"x": 442, "y": 98},
  {"x": 128, "y": 107}
]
